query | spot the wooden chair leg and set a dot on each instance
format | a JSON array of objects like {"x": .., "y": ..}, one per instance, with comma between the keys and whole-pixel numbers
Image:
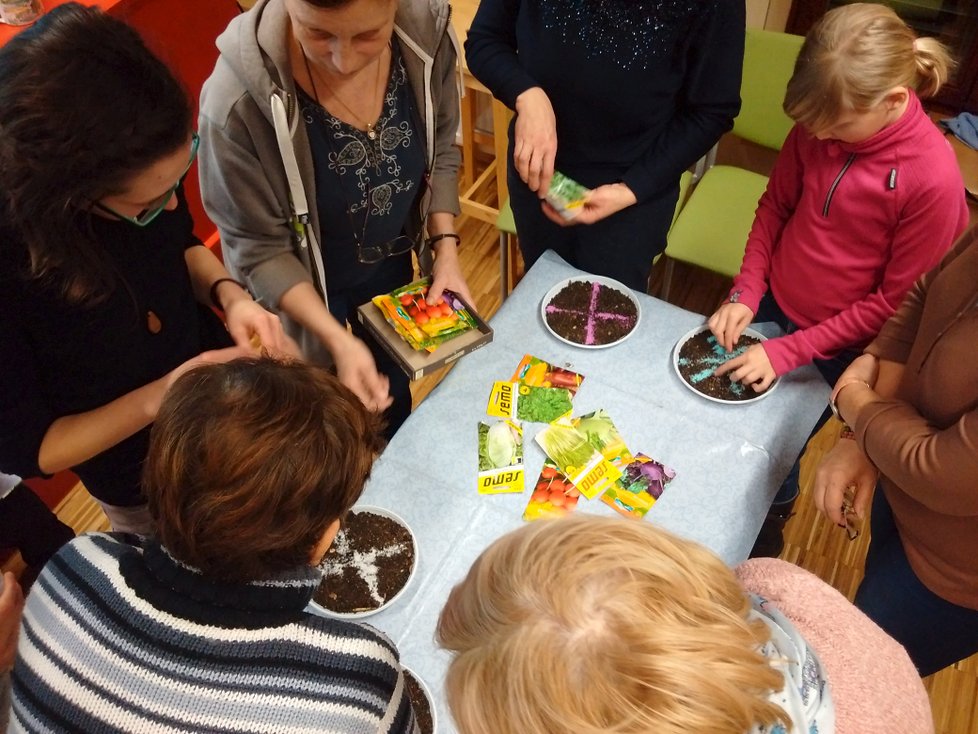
[
  {"x": 504, "y": 266},
  {"x": 666, "y": 278}
]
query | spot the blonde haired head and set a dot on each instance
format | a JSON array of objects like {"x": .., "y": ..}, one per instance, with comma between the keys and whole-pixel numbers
[
  {"x": 591, "y": 625},
  {"x": 854, "y": 57}
]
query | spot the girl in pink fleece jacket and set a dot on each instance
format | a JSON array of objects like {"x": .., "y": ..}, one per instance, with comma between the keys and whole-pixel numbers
[{"x": 865, "y": 196}]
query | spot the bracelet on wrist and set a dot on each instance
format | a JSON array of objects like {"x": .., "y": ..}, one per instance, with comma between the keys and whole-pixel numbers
[
  {"x": 839, "y": 387},
  {"x": 444, "y": 236},
  {"x": 216, "y": 284}
]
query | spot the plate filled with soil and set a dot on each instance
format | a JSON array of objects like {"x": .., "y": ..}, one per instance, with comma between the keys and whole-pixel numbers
[
  {"x": 698, "y": 354},
  {"x": 421, "y": 701},
  {"x": 590, "y": 311},
  {"x": 369, "y": 564}
]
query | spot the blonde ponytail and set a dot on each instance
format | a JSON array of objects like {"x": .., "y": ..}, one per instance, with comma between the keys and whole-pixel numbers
[
  {"x": 934, "y": 65},
  {"x": 853, "y": 57}
]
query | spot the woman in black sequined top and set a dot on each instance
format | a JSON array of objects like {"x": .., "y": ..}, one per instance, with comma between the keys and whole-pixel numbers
[{"x": 621, "y": 95}]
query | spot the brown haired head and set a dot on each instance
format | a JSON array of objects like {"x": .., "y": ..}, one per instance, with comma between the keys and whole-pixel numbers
[
  {"x": 251, "y": 461},
  {"x": 854, "y": 57},
  {"x": 588, "y": 625}
]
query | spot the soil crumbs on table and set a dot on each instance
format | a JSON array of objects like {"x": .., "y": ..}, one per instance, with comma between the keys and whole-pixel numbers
[
  {"x": 420, "y": 704},
  {"x": 369, "y": 562},
  {"x": 591, "y": 314},
  {"x": 701, "y": 355}
]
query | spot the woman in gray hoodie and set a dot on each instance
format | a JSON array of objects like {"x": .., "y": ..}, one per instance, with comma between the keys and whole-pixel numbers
[{"x": 327, "y": 146}]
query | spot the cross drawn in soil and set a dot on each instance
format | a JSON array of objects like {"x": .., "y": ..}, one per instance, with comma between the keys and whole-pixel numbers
[{"x": 363, "y": 562}]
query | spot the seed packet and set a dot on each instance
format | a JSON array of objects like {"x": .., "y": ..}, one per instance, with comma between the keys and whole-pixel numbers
[
  {"x": 566, "y": 195},
  {"x": 528, "y": 403},
  {"x": 535, "y": 372},
  {"x": 641, "y": 484},
  {"x": 589, "y": 472},
  {"x": 500, "y": 457},
  {"x": 553, "y": 495},
  {"x": 424, "y": 326},
  {"x": 642, "y": 478}
]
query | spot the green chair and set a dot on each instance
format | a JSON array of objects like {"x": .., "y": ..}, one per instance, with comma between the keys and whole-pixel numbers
[
  {"x": 507, "y": 249},
  {"x": 712, "y": 227}
]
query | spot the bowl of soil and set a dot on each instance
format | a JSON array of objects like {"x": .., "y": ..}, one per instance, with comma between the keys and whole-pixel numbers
[
  {"x": 590, "y": 311},
  {"x": 421, "y": 701},
  {"x": 369, "y": 564},
  {"x": 698, "y": 354}
]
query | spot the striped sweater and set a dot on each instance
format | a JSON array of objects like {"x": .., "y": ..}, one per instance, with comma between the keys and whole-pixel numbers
[{"x": 120, "y": 637}]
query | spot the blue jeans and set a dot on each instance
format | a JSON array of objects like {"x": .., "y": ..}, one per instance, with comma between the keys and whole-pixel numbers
[
  {"x": 830, "y": 369},
  {"x": 935, "y": 632}
]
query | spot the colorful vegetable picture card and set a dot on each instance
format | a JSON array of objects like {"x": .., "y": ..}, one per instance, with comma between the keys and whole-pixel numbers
[
  {"x": 500, "y": 458},
  {"x": 424, "y": 326},
  {"x": 586, "y": 468},
  {"x": 553, "y": 495},
  {"x": 528, "y": 403},
  {"x": 641, "y": 484},
  {"x": 534, "y": 372}
]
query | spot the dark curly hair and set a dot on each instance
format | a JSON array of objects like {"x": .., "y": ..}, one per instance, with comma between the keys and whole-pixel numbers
[{"x": 84, "y": 106}]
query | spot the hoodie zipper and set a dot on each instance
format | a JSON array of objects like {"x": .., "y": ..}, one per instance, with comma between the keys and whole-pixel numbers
[{"x": 835, "y": 184}]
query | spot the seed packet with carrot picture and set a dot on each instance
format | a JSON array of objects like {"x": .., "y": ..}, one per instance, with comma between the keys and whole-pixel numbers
[
  {"x": 535, "y": 372},
  {"x": 553, "y": 495}
]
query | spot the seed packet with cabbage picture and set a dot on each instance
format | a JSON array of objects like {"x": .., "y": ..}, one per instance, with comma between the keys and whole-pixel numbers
[{"x": 500, "y": 458}]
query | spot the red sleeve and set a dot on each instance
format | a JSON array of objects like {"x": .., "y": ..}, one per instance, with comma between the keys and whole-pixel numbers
[{"x": 775, "y": 207}]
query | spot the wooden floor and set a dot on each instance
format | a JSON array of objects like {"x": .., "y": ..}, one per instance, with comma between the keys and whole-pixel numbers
[{"x": 812, "y": 542}]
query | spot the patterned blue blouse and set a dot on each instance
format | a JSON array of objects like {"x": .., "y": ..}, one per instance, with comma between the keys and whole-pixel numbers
[{"x": 365, "y": 187}]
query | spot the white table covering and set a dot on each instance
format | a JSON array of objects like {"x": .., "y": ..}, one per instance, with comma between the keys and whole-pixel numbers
[{"x": 729, "y": 459}]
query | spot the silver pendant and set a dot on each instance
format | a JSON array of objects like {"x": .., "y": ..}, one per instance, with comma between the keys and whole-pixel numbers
[{"x": 371, "y": 133}]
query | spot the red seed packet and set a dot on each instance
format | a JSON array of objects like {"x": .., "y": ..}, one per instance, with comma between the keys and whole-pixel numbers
[
  {"x": 553, "y": 495},
  {"x": 534, "y": 372}
]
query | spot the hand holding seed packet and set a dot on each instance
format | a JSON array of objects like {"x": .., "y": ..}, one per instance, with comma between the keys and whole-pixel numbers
[{"x": 566, "y": 195}]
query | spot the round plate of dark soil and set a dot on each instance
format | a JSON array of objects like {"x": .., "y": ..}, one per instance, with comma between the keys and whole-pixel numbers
[
  {"x": 421, "y": 701},
  {"x": 369, "y": 564},
  {"x": 590, "y": 311},
  {"x": 697, "y": 354}
]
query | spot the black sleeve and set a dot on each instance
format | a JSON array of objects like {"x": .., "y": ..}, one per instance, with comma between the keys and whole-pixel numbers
[
  {"x": 491, "y": 53},
  {"x": 708, "y": 103}
]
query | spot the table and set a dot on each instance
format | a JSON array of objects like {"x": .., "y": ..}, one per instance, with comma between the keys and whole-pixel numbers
[{"x": 729, "y": 459}]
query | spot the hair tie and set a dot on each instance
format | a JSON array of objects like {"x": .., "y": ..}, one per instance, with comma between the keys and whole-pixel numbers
[{"x": 916, "y": 46}]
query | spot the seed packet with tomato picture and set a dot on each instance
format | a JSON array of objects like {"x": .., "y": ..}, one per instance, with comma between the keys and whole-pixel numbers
[
  {"x": 589, "y": 472},
  {"x": 535, "y": 372},
  {"x": 500, "y": 457},
  {"x": 553, "y": 495},
  {"x": 642, "y": 482},
  {"x": 421, "y": 325},
  {"x": 528, "y": 403}
]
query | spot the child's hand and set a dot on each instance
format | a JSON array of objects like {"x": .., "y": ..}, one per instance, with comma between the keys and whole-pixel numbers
[
  {"x": 729, "y": 322},
  {"x": 751, "y": 368}
]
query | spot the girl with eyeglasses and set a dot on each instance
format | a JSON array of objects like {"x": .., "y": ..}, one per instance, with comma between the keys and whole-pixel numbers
[
  {"x": 105, "y": 293},
  {"x": 329, "y": 130}
]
